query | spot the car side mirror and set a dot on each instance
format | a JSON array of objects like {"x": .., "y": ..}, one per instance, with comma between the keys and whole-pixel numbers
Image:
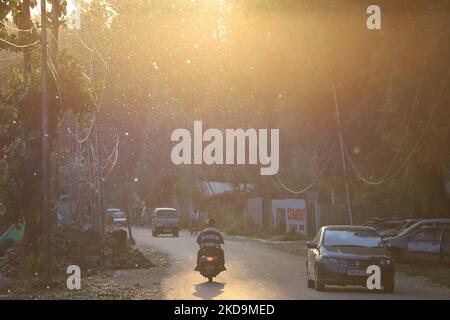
[{"x": 311, "y": 245}]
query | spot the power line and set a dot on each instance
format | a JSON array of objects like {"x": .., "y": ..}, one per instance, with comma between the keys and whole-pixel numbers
[
  {"x": 82, "y": 140},
  {"x": 113, "y": 153},
  {"x": 408, "y": 123},
  {"x": 55, "y": 75},
  {"x": 16, "y": 56},
  {"x": 316, "y": 179},
  {"x": 14, "y": 28},
  {"x": 114, "y": 162},
  {"x": 412, "y": 151},
  {"x": 19, "y": 45},
  {"x": 83, "y": 43},
  {"x": 96, "y": 50}
]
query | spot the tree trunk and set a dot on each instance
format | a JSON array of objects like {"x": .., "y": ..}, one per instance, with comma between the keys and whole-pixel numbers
[{"x": 127, "y": 213}]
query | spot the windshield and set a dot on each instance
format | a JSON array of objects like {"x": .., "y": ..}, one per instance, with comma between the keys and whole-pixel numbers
[
  {"x": 166, "y": 214},
  {"x": 357, "y": 238}
]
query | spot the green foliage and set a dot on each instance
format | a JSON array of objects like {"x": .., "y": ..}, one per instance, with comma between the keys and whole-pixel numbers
[{"x": 20, "y": 128}]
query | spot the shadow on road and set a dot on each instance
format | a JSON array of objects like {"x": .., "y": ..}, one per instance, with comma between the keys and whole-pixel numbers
[{"x": 209, "y": 290}]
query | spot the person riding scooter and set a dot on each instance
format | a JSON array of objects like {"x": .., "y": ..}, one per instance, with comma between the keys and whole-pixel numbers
[{"x": 210, "y": 238}]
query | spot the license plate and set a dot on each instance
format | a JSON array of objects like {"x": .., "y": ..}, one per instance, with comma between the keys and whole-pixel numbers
[
  {"x": 357, "y": 273},
  {"x": 210, "y": 268}
]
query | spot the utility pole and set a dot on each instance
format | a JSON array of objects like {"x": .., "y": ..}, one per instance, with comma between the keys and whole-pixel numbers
[
  {"x": 344, "y": 165},
  {"x": 56, "y": 8},
  {"x": 99, "y": 178},
  {"x": 127, "y": 212},
  {"x": 45, "y": 146}
]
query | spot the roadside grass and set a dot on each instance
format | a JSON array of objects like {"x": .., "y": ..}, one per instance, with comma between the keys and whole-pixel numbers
[{"x": 438, "y": 273}]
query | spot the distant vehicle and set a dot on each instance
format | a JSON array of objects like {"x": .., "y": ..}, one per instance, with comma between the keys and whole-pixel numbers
[
  {"x": 428, "y": 244},
  {"x": 340, "y": 256},
  {"x": 111, "y": 211},
  {"x": 166, "y": 221},
  {"x": 119, "y": 218}
]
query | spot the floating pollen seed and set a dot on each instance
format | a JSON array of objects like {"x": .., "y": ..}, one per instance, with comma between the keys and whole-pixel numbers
[
  {"x": 188, "y": 61},
  {"x": 356, "y": 150}
]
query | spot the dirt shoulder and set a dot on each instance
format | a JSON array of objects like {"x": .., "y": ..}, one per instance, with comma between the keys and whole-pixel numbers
[{"x": 129, "y": 284}]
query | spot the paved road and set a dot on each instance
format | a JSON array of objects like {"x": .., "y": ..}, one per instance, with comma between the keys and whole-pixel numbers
[{"x": 256, "y": 271}]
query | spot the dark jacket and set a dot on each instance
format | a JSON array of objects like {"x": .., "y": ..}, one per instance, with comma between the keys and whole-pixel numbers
[{"x": 210, "y": 237}]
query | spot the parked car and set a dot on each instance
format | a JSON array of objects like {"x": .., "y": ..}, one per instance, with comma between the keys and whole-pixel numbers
[
  {"x": 374, "y": 221},
  {"x": 388, "y": 225},
  {"x": 393, "y": 232},
  {"x": 340, "y": 255},
  {"x": 399, "y": 243},
  {"x": 427, "y": 244},
  {"x": 166, "y": 220}
]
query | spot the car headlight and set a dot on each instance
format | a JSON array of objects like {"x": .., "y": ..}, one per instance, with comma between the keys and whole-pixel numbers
[
  {"x": 328, "y": 260},
  {"x": 385, "y": 262}
]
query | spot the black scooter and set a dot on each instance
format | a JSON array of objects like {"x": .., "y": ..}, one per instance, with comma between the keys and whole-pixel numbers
[{"x": 209, "y": 265}]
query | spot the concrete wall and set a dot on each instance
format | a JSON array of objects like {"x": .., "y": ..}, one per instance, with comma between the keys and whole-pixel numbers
[{"x": 255, "y": 212}]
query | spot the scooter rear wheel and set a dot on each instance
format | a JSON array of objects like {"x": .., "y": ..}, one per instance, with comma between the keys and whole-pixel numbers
[{"x": 210, "y": 279}]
